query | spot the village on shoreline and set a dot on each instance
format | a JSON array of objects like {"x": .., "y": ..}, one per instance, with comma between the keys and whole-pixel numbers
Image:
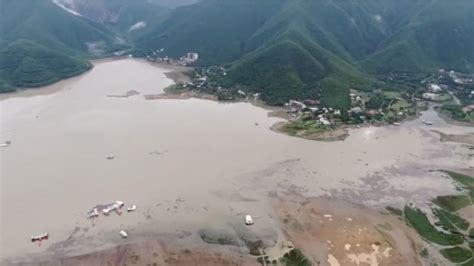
[{"x": 449, "y": 92}]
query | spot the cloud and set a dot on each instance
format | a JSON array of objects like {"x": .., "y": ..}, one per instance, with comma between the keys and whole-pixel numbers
[
  {"x": 63, "y": 4},
  {"x": 138, "y": 25}
]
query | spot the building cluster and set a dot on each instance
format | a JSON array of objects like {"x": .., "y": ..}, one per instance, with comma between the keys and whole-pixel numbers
[
  {"x": 457, "y": 84},
  {"x": 189, "y": 58},
  {"x": 311, "y": 109},
  {"x": 159, "y": 55}
]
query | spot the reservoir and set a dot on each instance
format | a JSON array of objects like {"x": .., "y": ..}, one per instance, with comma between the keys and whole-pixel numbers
[{"x": 185, "y": 164}]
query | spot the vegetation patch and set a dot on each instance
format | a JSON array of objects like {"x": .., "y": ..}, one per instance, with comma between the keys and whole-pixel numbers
[
  {"x": 452, "y": 203},
  {"x": 450, "y": 220},
  {"x": 455, "y": 112},
  {"x": 295, "y": 258},
  {"x": 419, "y": 221},
  {"x": 424, "y": 253},
  {"x": 459, "y": 236},
  {"x": 465, "y": 180},
  {"x": 457, "y": 254},
  {"x": 295, "y": 127}
]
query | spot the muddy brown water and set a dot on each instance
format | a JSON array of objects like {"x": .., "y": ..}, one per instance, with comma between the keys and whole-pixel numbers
[{"x": 186, "y": 164}]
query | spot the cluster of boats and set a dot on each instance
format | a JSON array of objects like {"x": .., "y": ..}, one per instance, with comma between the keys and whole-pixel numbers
[
  {"x": 94, "y": 214},
  {"x": 116, "y": 206}
]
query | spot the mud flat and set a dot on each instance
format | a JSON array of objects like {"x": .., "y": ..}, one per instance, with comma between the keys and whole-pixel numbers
[
  {"x": 188, "y": 165},
  {"x": 334, "y": 232}
]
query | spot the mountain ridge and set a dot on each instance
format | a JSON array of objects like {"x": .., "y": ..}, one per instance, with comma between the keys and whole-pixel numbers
[{"x": 281, "y": 48}]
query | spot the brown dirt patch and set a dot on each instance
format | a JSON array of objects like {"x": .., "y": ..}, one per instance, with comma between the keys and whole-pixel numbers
[{"x": 328, "y": 230}]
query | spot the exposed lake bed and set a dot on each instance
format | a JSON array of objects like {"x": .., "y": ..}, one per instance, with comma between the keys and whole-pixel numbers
[{"x": 188, "y": 165}]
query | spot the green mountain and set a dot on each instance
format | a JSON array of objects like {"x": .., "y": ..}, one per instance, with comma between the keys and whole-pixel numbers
[
  {"x": 41, "y": 43},
  {"x": 24, "y": 63},
  {"x": 125, "y": 16},
  {"x": 281, "y": 48},
  {"x": 441, "y": 35},
  {"x": 302, "y": 48},
  {"x": 216, "y": 29}
]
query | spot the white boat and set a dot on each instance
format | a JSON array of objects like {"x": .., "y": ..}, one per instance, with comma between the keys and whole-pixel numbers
[
  {"x": 428, "y": 123},
  {"x": 123, "y": 234},
  {"x": 131, "y": 209},
  {"x": 94, "y": 213},
  {"x": 396, "y": 124},
  {"x": 113, "y": 207},
  {"x": 6, "y": 144},
  {"x": 40, "y": 237},
  {"x": 248, "y": 220}
]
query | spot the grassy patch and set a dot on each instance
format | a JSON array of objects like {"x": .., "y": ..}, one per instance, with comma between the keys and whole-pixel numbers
[
  {"x": 456, "y": 202},
  {"x": 468, "y": 263},
  {"x": 465, "y": 180},
  {"x": 452, "y": 203},
  {"x": 457, "y": 254},
  {"x": 174, "y": 89},
  {"x": 443, "y": 97},
  {"x": 295, "y": 258},
  {"x": 424, "y": 253},
  {"x": 451, "y": 220},
  {"x": 418, "y": 220},
  {"x": 455, "y": 112},
  {"x": 293, "y": 128},
  {"x": 392, "y": 94}
]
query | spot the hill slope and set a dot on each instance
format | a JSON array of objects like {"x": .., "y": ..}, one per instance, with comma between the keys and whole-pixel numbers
[
  {"x": 300, "y": 48},
  {"x": 42, "y": 43},
  {"x": 216, "y": 29},
  {"x": 24, "y": 63},
  {"x": 125, "y": 16},
  {"x": 282, "y": 48},
  {"x": 441, "y": 35},
  {"x": 285, "y": 49}
]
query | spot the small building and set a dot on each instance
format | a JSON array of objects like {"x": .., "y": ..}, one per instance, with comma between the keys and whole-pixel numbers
[
  {"x": 297, "y": 105},
  {"x": 434, "y": 88},
  {"x": 429, "y": 96},
  {"x": 192, "y": 56},
  {"x": 356, "y": 110},
  {"x": 310, "y": 102},
  {"x": 324, "y": 121}
]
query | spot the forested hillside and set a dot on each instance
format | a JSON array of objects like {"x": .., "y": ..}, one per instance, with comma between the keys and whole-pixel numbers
[
  {"x": 282, "y": 48},
  {"x": 41, "y": 43}
]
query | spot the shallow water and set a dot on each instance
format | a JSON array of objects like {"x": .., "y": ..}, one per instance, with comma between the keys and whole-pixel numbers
[{"x": 186, "y": 164}]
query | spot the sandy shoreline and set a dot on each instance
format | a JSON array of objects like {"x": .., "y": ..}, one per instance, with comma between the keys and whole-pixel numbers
[{"x": 191, "y": 165}]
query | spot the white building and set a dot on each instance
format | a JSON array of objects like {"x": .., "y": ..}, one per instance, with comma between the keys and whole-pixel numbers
[
  {"x": 429, "y": 96},
  {"x": 192, "y": 57},
  {"x": 435, "y": 88}
]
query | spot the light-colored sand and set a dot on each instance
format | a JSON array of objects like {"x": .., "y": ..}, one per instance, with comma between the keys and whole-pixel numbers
[
  {"x": 186, "y": 164},
  {"x": 333, "y": 232}
]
